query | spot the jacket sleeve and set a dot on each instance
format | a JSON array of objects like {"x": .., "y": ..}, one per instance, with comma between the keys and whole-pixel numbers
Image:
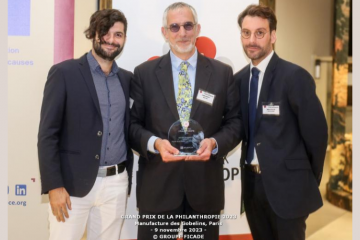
[
  {"x": 52, "y": 112},
  {"x": 138, "y": 135},
  {"x": 311, "y": 118},
  {"x": 229, "y": 135}
]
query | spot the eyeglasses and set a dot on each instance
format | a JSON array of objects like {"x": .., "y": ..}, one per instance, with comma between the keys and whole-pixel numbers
[
  {"x": 188, "y": 26},
  {"x": 258, "y": 34}
]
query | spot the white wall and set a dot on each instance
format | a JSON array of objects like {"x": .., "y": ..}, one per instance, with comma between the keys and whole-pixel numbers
[
  {"x": 25, "y": 90},
  {"x": 305, "y": 28},
  {"x": 83, "y": 11},
  {"x": 3, "y": 122}
]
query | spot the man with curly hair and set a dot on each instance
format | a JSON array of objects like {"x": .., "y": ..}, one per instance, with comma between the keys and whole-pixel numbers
[{"x": 83, "y": 136}]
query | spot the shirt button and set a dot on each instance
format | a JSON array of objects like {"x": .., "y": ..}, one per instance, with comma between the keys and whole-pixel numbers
[
  {"x": 258, "y": 144},
  {"x": 99, "y": 133},
  {"x": 97, "y": 157}
]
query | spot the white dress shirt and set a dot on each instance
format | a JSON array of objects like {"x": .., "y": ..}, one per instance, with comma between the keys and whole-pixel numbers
[{"x": 261, "y": 67}]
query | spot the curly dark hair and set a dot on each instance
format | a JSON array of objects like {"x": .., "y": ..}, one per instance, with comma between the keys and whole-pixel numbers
[
  {"x": 259, "y": 11},
  {"x": 102, "y": 20}
]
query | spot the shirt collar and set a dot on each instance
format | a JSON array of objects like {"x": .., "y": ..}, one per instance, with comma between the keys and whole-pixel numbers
[
  {"x": 95, "y": 66},
  {"x": 264, "y": 63},
  {"x": 175, "y": 61}
]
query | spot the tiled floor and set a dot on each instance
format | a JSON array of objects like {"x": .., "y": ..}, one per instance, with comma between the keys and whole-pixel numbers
[
  {"x": 339, "y": 229},
  {"x": 329, "y": 222}
]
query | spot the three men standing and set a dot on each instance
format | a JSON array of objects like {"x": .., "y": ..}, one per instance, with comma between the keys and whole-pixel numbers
[
  {"x": 284, "y": 146},
  {"x": 85, "y": 127},
  {"x": 83, "y": 136}
]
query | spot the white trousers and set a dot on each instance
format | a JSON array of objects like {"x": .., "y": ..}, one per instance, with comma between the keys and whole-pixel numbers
[{"x": 101, "y": 210}]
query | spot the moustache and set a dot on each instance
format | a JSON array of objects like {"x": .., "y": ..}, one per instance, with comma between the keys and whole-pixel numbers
[
  {"x": 111, "y": 44},
  {"x": 252, "y": 46},
  {"x": 182, "y": 40}
]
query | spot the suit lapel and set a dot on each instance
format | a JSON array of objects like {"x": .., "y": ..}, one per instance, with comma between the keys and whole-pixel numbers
[
  {"x": 85, "y": 71},
  {"x": 245, "y": 99},
  {"x": 165, "y": 78},
  {"x": 203, "y": 73},
  {"x": 265, "y": 88}
]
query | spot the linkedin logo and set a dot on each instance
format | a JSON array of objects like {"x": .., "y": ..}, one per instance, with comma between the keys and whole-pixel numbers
[{"x": 20, "y": 190}]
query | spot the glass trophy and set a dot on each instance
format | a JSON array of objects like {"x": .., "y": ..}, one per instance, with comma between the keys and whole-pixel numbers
[{"x": 187, "y": 137}]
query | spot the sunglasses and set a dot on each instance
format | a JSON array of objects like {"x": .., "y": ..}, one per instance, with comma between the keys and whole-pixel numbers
[{"x": 188, "y": 26}]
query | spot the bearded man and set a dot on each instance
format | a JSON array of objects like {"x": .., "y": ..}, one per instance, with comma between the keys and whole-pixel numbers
[
  {"x": 284, "y": 145},
  {"x": 83, "y": 136},
  {"x": 182, "y": 86}
]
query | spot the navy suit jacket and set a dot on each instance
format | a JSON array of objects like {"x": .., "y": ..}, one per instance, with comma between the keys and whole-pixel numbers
[
  {"x": 68, "y": 139},
  {"x": 290, "y": 147}
]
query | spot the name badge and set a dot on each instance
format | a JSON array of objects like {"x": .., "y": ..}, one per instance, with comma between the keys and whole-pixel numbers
[
  {"x": 205, "y": 97},
  {"x": 271, "y": 109}
]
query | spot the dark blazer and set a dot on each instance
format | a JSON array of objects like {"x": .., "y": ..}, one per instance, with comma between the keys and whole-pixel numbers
[
  {"x": 290, "y": 147},
  {"x": 68, "y": 139},
  {"x": 162, "y": 186}
]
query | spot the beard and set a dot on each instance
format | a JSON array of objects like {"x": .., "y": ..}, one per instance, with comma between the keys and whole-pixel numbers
[
  {"x": 179, "y": 49},
  {"x": 264, "y": 51},
  {"x": 105, "y": 55}
]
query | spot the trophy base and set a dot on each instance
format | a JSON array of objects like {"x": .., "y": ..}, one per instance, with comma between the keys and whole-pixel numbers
[{"x": 186, "y": 154}]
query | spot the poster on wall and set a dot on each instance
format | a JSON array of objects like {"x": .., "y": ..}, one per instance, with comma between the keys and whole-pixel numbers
[{"x": 30, "y": 56}]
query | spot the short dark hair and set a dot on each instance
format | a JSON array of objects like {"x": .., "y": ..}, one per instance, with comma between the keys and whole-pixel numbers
[
  {"x": 259, "y": 11},
  {"x": 102, "y": 20}
]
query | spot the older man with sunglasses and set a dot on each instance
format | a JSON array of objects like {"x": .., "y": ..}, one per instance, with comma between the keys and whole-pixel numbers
[{"x": 182, "y": 86}]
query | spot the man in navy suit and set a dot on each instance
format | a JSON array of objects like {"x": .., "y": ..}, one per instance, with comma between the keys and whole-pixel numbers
[
  {"x": 285, "y": 134},
  {"x": 83, "y": 136}
]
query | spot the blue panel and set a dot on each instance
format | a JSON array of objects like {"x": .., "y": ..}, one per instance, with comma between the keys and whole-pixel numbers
[{"x": 19, "y": 17}]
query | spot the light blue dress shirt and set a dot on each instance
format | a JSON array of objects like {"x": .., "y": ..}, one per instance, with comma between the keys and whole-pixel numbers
[
  {"x": 175, "y": 65},
  {"x": 112, "y": 106}
]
